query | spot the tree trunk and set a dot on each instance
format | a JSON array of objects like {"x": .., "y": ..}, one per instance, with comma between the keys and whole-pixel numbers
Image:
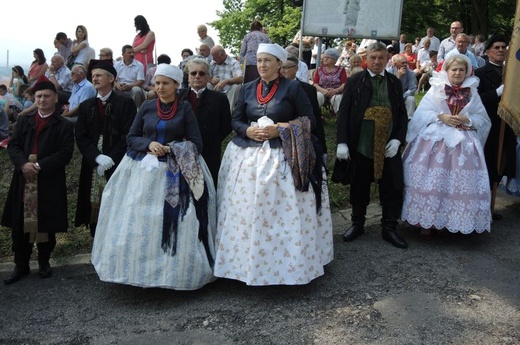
[{"x": 480, "y": 17}]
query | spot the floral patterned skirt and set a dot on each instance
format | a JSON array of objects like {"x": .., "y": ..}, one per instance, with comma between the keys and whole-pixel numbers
[
  {"x": 446, "y": 187},
  {"x": 268, "y": 233}
]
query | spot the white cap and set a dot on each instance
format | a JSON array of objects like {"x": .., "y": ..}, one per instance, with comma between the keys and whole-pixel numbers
[
  {"x": 469, "y": 66},
  {"x": 169, "y": 71},
  {"x": 273, "y": 49}
]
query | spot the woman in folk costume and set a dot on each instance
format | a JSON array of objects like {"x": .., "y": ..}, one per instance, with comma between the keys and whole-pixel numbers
[
  {"x": 274, "y": 222},
  {"x": 157, "y": 219},
  {"x": 445, "y": 174}
]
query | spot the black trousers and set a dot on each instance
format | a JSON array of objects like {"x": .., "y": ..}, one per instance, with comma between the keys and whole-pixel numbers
[
  {"x": 390, "y": 198},
  {"x": 22, "y": 248}
]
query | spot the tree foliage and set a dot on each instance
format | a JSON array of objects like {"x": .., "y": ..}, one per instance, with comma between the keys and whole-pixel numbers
[
  {"x": 279, "y": 17},
  {"x": 282, "y": 19}
]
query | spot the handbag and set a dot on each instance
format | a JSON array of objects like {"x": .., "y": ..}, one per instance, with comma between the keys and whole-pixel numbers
[
  {"x": 70, "y": 61},
  {"x": 343, "y": 171}
]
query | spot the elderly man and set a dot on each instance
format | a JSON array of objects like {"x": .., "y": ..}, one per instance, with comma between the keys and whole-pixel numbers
[
  {"x": 81, "y": 91},
  {"x": 106, "y": 54},
  {"x": 408, "y": 81},
  {"x": 448, "y": 43},
  {"x": 205, "y": 52},
  {"x": 490, "y": 90},
  {"x": 461, "y": 47},
  {"x": 227, "y": 75},
  {"x": 434, "y": 41},
  {"x": 290, "y": 71},
  {"x": 202, "y": 31},
  {"x": 103, "y": 123},
  {"x": 211, "y": 108},
  {"x": 372, "y": 125},
  {"x": 302, "y": 71},
  {"x": 130, "y": 76},
  {"x": 60, "y": 76},
  {"x": 36, "y": 205}
]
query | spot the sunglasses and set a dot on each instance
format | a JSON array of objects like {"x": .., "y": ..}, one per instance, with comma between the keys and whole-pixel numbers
[{"x": 200, "y": 73}]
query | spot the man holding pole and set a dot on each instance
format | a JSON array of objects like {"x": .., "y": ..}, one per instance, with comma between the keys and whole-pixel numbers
[{"x": 500, "y": 148}]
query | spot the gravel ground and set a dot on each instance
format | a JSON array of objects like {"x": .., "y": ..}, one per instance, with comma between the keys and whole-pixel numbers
[{"x": 450, "y": 290}]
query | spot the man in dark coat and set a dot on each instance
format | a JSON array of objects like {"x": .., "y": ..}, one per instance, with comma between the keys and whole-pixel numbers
[
  {"x": 490, "y": 90},
  {"x": 372, "y": 124},
  {"x": 101, "y": 129},
  {"x": 211, "y": 108},
  {"x": 289, "y": 69},
  {"x": 36, "y": 205}
]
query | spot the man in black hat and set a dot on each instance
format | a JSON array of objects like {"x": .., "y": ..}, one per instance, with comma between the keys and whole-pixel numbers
[
  {"x": 36, "y": 205},
  {"x": 490, "y": 90},
  {"x": 101, "y": 129}
]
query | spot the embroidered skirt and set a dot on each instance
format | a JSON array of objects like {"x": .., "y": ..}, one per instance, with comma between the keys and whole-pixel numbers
[
  {"x": 446, "y": 187},
  {"x": 127, "y": 246},
  {"x": 268, "y": 233}
]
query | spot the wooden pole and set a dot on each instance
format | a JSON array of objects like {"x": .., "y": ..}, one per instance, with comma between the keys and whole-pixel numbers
[{"x": 499, "y": 161}]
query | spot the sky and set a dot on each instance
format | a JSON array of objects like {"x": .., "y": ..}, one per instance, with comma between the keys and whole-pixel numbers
[{"x": 109, "y": 24}]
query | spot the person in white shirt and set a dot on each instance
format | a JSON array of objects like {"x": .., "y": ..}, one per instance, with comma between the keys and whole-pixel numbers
[{"x": 130, "y": 76}]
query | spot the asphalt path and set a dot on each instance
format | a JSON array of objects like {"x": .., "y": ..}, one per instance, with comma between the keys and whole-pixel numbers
[{"x": 460, "y": 289}]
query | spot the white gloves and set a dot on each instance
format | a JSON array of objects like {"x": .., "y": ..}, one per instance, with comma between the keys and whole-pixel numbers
[
  {"x": 100, "y": 170},
  {"x": 342, "y": 152},
  {"x": 105, "y": 161},
  {"x": 391, "y": 148},
  {"x": 500, "y": 90}
]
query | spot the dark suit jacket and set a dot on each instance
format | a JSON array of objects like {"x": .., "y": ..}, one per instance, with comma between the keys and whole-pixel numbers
[
  {"x": 55, "y": 148},
  {"x": 318, "y": 131},
  {"x": 214, "y": 120},
  {"x": 121, "y": 113},
  {"x": 356, "y": 98},
  {"x": 491, "y": 78}
]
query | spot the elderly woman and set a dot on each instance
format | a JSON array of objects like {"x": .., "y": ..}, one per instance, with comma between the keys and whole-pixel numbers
[
  {"x": 157, "y": 216},
  {"x": 411, "y": 57},
  {"x": 445, "y": 175},
  {"x": 330, "y": 79},
  {"x": 274, "y": 223}
]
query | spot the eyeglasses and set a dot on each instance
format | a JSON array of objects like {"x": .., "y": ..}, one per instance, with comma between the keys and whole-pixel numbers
[
  {"x": 288, "y": 67},
  {"x": 200, "y": 73}
]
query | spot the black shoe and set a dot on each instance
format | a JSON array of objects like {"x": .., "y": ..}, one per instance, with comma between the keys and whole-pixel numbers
[
  {"x": 18, "y": 273},
  {"x": 393, "y": 237},
  {"x": 496, "y": 216},
  {"x": 45, "y": 270},
  {"x": 353, "y": 232}
]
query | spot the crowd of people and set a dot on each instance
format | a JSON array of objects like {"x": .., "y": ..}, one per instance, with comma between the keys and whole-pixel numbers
[{"x": 167, "y": 208}]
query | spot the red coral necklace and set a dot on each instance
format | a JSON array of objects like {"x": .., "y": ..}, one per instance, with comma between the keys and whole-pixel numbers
[
  {"x": 270, "y": 95},
  {"x": 168, "y": 114}
]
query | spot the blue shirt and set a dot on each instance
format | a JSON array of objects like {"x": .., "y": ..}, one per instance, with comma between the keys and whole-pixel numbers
[{"x": 80, "y": 92}]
